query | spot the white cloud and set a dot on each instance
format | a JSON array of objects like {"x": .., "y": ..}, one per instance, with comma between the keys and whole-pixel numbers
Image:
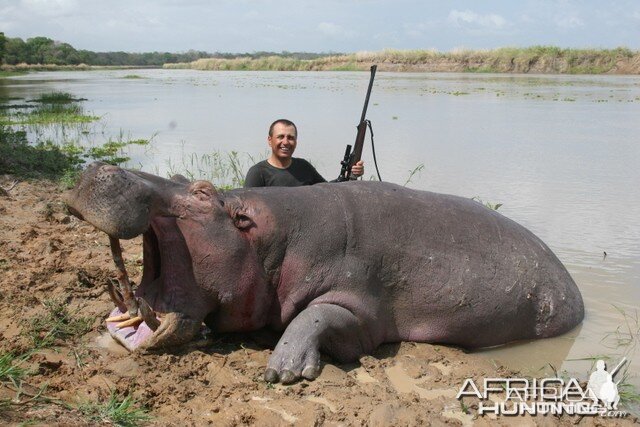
[
  {"x": 569, "y": 22},
  {"x": 334, "y": 30},
  {"x": 468, "y": 18}
]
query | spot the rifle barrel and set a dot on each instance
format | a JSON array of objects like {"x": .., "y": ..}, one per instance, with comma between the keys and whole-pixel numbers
[{"x": 366, "y": 100}]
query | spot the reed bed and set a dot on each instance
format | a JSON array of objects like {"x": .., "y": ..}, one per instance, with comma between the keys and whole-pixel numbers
[{"x": 536, "y": 59}]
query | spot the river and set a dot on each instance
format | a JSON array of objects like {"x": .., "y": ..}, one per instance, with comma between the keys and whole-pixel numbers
[{"x": 561, "y": 153}]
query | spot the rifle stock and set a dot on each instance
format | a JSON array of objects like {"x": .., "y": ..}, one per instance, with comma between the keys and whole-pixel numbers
[{"x": 353, "y": 157}]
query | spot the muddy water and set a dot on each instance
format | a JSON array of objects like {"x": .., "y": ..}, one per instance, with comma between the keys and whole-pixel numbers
[{"x": 562, "y": 154}]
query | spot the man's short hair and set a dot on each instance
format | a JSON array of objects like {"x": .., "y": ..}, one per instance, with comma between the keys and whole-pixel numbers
[{"x": 284, "y": 122}]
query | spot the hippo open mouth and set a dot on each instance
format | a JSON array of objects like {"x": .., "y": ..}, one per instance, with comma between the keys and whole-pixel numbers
[
  {"x": 167, "y": 308},
  {"x": 147, "y": 317}
]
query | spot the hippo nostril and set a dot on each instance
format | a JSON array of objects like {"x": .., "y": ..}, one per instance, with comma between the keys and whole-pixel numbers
[{"x": 109, "y": 168}]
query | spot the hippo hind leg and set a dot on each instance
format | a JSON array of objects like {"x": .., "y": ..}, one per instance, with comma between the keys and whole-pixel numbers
[{"x": 332, "y": 328}]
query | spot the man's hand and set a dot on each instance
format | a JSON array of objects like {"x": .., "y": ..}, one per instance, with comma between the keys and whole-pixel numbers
[{"x": 358, "y": 169}]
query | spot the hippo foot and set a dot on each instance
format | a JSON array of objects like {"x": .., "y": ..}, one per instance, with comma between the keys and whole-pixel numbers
[{"x": 329, "y": 327}]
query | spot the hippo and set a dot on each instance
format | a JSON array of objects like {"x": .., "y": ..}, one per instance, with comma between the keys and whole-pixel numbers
[{"x": 339, "y": 268}]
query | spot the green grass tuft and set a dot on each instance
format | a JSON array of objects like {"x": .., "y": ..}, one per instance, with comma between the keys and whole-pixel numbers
[
  {"x": 412, "y": 173},
  {"x": 57, "y": 324},
  {"x": 24, "y": 160},
  {"x": 5, "y": 73},
  {"x": 57, "y": 160},
  {"x": 627, "y": 334},
  {"x": 224, "y": 170},
  {"x": 53, "y": 108},
  {"x": 117, "y": 411},
  {"x": 10, "y": 369},
  {"x": 55, "y": 98},
  {"x": 488, "y": 205}
]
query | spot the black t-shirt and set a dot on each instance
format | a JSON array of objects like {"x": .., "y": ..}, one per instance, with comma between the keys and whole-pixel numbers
[{"x": 300, "y": 172}]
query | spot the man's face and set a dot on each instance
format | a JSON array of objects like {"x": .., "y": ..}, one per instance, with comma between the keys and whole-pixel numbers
[{"x": 283, "y": 141}]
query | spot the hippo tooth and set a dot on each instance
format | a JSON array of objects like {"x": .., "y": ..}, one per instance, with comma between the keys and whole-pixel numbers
[
  {"x": 148, "y": 314},
  {"x": 123, "y": 277},
  {"x": 120, "y": 318},
  {"x": 116, "y": 297},
  {"x": 130, "y": 322}
]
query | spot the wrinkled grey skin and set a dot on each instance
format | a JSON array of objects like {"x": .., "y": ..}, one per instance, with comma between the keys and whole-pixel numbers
[{"x": 341, "y": 268}]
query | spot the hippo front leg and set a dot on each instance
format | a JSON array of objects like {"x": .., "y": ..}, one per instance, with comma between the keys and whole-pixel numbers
[{"x": 332, "y": 328}]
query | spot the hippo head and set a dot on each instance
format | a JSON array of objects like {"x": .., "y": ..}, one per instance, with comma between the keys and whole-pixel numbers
[{"x": 198, "y": 263}]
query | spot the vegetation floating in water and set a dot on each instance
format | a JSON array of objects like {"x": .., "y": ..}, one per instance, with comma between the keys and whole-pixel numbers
[{"x": 54, "y": 107}]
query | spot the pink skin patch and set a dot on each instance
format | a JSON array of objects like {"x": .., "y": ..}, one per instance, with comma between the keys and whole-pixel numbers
[{"x": 131, "y": 337}]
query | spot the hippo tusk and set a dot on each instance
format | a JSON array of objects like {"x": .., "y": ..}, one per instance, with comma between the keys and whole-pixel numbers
[
  {"x": 148, "y": 315},
  {"x": 131, "y": 322},
  {"x": 120, "y": 318},
  {"x": 123, "y": 278},
  {"x": 116, "y": 297}
]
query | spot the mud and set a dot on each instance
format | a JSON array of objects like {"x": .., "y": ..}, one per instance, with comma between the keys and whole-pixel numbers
[{"x": 47, "y": 254}]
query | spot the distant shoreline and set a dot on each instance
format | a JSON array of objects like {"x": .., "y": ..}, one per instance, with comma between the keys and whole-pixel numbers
[
  {"x": 532, "y": 60},
  {"x": 538, "y": 60}
]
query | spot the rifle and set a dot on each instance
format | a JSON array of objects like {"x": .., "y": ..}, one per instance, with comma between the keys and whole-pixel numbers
[{"x": 351, "y": 158}]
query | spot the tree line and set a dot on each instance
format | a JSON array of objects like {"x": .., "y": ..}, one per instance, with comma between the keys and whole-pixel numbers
[{"x": 43, "y": 50}]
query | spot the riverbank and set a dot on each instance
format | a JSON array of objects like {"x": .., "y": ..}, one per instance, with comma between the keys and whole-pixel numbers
[
  {"x": 538, "y": 59},
  {"x": 534, "y": 60},
  {"x": 53, "y": 302},
  {"x": 18, "y": 69}
]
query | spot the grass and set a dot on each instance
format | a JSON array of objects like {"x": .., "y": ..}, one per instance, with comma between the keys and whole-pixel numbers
[
  {"x": 24, "y": 160},
  {"x": 225, "y": 170},
  {"x": 132, "y": 76},
  {"x": 113, "y": 151},
  {"x": 626, "y": 334},
  {"x": 60, "y": 161},
  {"x": 54, "y": 107},
  {"x": 57, "y": 324},
  {"x": 55, "y": 97},
  {"x": 539, "y": 59},
  {"x": 417, "y": 170},
  {"x": 628, "y": 393},
  {"x": 116, "y": 410},
  {"x": 488, "y": 205},
  {"x": 49, "y": 114},
  {"x": 625, "y": 338},
  {"x": 10, "y": 369},
  {"x": 6, "y": 73}
]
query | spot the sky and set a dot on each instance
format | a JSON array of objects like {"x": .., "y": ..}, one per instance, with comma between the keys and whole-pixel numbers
[{"x": 323, "y": 25}]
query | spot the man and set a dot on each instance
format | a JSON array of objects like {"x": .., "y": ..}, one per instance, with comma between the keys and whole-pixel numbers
[{"x": 283, "y": 170}]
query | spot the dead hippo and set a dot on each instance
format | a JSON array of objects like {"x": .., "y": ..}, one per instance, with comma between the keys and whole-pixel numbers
[{"x": 340, "y": 268}]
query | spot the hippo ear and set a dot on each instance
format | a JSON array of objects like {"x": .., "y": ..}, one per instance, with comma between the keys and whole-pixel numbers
[
  {"x": 180, "y": 178},
  {"x": 203, "y": 190},
  {"x": 241, "y": 220}
]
